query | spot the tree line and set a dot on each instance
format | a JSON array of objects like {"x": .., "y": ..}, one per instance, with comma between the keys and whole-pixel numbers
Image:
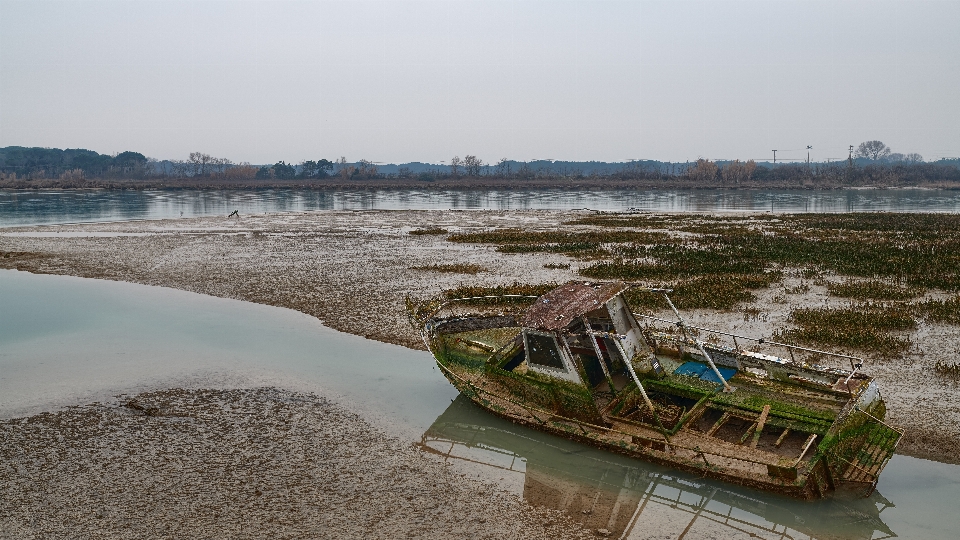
[{"x": 873, "y": 163}]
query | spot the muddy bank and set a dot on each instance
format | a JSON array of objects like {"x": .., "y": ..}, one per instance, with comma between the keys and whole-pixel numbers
[
  {"x": 240, "y": 464},
  {"x": 353, "y": 271}
]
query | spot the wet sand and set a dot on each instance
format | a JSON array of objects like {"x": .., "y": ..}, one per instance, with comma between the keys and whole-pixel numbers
[{"x": 353, "y": 270}]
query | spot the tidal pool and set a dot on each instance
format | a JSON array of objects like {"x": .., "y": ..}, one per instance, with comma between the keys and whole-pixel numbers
[{"x": 67, "y": 341}]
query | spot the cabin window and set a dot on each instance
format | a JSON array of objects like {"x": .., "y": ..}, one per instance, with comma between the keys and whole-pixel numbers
[{"x": 542, "y": 351}]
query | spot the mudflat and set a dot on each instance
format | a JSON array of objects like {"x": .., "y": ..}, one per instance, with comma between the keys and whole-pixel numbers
[
  {"x": 254, "y": 463},
  {"x": 354, "y": 269}
]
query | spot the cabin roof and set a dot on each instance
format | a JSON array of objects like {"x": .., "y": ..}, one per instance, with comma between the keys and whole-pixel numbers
[{"x": 560, "y": 307}]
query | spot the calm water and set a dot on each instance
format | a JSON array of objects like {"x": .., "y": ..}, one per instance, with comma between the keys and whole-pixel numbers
[
  {"x": 67, "y": 340},
  {"x": 18, "y": 208}
]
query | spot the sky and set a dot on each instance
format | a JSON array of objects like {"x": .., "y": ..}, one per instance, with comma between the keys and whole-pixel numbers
[{"x": 399, "y": 81}]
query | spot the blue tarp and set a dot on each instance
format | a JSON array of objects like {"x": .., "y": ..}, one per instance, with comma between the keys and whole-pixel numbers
[{"x": 703, "y": 371}]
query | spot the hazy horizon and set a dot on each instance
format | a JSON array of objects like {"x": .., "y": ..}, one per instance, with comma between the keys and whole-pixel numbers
[{"x": 400, "y": 81}]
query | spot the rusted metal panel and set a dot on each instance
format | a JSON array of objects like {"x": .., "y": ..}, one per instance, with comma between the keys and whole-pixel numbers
[{"x": 564, "y": 305}]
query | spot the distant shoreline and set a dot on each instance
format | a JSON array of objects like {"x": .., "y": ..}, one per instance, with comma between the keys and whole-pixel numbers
[{"x": 446, "y": 184}]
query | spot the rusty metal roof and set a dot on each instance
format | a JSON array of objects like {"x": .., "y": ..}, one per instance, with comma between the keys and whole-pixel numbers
[{"x": 561, "y": 306}]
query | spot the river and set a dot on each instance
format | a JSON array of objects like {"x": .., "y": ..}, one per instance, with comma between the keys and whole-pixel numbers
[
  {"x": 23, "y": 208},
  {"x": 66, "y": 340}
]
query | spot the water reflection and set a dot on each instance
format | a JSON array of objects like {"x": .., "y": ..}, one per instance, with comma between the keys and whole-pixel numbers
[
  {"x": 20, "y": 208},
  {"x": 627, "y": 498}
]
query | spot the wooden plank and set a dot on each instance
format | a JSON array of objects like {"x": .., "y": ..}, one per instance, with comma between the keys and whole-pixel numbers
[
  {"x": 723, "y": 419},
  {"x": 782, "y": 437},
  {"x": 746, "y": 434},
  {"x": 760, "y": 423}
]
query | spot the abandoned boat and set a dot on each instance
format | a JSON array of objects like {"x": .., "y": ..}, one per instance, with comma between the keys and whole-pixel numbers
[{"x": 577, "y": 363}]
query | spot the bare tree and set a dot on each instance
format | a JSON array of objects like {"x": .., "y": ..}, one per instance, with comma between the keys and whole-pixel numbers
[
  {"x": 455, "y": 166},
  {"x": 472, "y": 165},
  {"x": 179, "y": 168},
  {"x": 503, "y": 168},
  {"x": 703, "y": 170},
  {"x": 344, "y": 169},
  {"x": 736, "y": 172},
  {"x": 913, "y": 157},
  {"x": 872, "y": 150},
  {"x": 366, "y": 169},
  {"x": 198, "y": 163}
]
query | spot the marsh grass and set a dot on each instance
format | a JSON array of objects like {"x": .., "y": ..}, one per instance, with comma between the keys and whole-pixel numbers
[
  {"x": 872, "y": 290},
  {"x": 462, "y": 268},
  {"x": 943, "y": 311},
  {"x": 519, "y": 241},
  {"x": 918, "y": 250},
  {"x": 428, "y": 231},
  {"x": 865, "y": 327},
  {"x": 948, "y": 369},
  {"x": 710, "y": 291},
  {"x": 557, "y": 266}
]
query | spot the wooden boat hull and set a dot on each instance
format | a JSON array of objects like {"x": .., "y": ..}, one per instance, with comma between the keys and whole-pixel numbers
[
  {"x": 811, "y": 484},
  {"x": 578, "y": 365}
]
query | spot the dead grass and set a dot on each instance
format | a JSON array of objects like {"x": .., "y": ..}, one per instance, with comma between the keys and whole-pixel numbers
[
  {"x": 429, "y": 231},
  {"x": 865, "y": 327},
  {"x": 462, "y": 268},
  {"x": 872, "y": 290}
]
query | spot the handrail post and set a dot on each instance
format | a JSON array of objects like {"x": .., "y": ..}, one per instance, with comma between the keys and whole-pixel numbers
[{"x": 682, "y": 324}]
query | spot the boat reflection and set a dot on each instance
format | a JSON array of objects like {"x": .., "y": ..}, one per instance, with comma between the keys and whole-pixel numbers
[{"x": 626, "y": 498}]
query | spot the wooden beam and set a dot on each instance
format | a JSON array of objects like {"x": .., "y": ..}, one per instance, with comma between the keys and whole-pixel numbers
[
  {"x": 760, "y": 423},
  {"x": 782, "y": 437},
  {"x": 723, "y": 419}
]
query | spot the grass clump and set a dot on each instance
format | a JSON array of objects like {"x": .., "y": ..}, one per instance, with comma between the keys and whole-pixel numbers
[
  {"x": 672, "y": 262},
  {"x": 872, "y": 290},
  {"x": 947, "y": 369},
  {"x": 944, "y": 311},
  {"x": 866, "y": 327},
  {"x": 462, "y": 268},
  {"x": 589, "y": 243},
  {"x": 428, "y": 231},
  {"x": 717, "y": 291},
  {"x": 557, "y": 266}
]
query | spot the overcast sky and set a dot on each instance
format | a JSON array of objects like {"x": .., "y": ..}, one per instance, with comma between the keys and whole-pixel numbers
[{"x": 397, "y": 81}]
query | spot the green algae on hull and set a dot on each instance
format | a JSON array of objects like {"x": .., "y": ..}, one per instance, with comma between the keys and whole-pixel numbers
[{"x": 577, "y": 364}]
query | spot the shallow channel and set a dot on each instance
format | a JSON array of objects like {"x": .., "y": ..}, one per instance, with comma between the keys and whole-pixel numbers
[
  {"x": 66, "y": 341},
  {"x": 24, "y": 208}
]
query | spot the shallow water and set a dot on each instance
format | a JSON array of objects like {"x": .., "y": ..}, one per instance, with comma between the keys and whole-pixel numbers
[
  {"x": 67, "y": 340},
  {"x": 22, "y": 208}
]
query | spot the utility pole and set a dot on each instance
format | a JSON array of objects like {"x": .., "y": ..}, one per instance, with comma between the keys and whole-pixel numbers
[
  {"x": 774, "y": 157},
  {"x": 808, "y": 154},
  {"x": 850, "y": 157}
]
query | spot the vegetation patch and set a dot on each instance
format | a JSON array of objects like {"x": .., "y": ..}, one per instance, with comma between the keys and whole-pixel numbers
[
  {"x": 557, "y": 266},
  {"x": 424, "y": 232},
  {"x": 872, "y": 290},
  {"x": 866, "y": 327},
  {"x": 589, "y": 244},
  {"x": 717, "y": 291},
  {"x": 946, "y": 369},
  {"x": 944, "y": 311},
  {"x": 462, "y": 268},
  {"x": 675, "y": 261}
]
